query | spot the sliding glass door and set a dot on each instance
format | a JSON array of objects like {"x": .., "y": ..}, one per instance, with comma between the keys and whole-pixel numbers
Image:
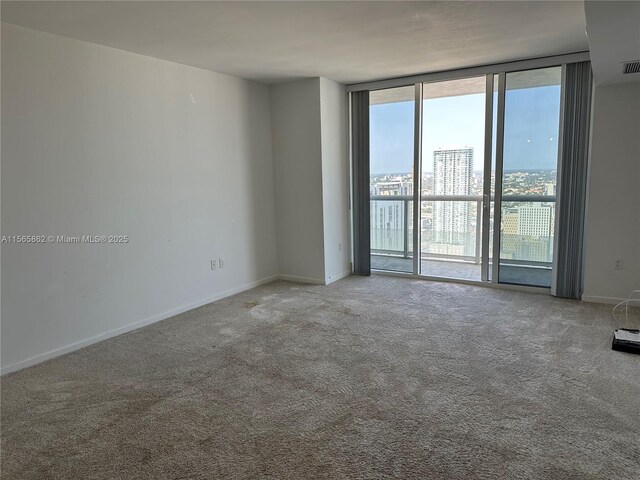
[
  {"x": 453, "y": 126},
  {"x": 472, "y": 163},
  {"x": 529, "y": 166},
  {"x": 391, "y": 123}
]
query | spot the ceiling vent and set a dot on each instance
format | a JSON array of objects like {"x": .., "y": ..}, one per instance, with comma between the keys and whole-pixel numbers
[{"x": 631, "y": 67}]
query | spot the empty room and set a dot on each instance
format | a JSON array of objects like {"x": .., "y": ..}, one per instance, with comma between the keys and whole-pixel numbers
[{"x": 320, "y": 240}]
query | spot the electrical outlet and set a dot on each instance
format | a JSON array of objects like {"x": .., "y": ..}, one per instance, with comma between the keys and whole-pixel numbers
[
  {"x": 213, "y": 265},
  {"x": 221, "y": 262},
  {"x": 339, "y": 247},
  {"x": 619, "y": 264}
]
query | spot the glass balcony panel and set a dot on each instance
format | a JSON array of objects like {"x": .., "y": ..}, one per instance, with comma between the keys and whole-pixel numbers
[
  {"x": 526, "y": 249},
  {"x": 451, "y": 238},
  {"x": 392, "y": 234}
]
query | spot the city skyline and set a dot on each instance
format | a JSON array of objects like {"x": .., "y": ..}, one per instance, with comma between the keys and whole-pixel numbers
[
  {"x": 515, "y": 181},
  {"x": 451, "y": 228}
]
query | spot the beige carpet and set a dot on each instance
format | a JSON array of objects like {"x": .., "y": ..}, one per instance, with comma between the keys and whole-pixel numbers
[{"x": 367, "y": 378}]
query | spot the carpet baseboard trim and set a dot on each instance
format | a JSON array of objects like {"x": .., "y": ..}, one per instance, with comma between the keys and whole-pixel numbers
[
  {"x": 130, "y": 327},
  {"x": 297, "y": 279},
  {"x": 337, "y": 277},
  {"x": 597, "y": 299}
]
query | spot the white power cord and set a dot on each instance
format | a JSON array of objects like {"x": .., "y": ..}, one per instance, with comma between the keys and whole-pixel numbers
[{"x": 625, "y": 302}]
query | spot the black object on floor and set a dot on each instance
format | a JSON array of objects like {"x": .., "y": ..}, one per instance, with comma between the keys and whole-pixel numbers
[{"x": 626, "y": 340}]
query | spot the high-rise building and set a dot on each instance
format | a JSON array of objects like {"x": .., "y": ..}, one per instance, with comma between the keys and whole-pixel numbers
[
  {"x": 452, "y": 175},
  {"x": 527, "y": 232},
  {"x": 534, "y": 220},
  {"x": 510, "y": 239},
  {"x": 388, "y": 218},
  {"x": 399, "y": 187}
]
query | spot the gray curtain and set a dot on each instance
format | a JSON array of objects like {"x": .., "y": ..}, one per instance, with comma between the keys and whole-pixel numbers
[
  {"x": 360, "y": 160},
  {"x": 572, "y": 180}
]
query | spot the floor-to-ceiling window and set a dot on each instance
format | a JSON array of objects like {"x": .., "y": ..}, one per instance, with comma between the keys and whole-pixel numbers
[
  {"x": 530, "y": 163},
  {"x": 453, "y": 114},
  {"x": 472, "y": 162},
  {"x": 391, "y": 122}
]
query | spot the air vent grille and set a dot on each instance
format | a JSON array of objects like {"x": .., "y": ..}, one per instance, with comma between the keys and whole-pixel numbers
[{"x": 631, "y": 67}]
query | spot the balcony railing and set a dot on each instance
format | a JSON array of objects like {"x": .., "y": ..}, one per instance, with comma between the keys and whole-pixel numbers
[{"x": 537, "y": 247}]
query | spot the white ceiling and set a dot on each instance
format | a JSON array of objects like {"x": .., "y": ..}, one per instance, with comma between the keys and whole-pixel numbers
[
  {"x": 614, "y": 38},
  {"x": 345, "y": 41}
]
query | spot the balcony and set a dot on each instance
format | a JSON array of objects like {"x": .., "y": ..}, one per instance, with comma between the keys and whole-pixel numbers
[{"x": 451, "y": 236}]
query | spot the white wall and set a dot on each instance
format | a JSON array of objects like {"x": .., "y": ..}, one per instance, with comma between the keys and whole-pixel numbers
[
  {"x": 335, "y": 178},
  {"x": 297, "y": 156},
  {"x": 311, "y": 158},
  {"x": 101, "y": 141},
  {"x": 613, "y": 209}
]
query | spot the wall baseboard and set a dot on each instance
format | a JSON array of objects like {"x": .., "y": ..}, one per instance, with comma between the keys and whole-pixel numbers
[
  {"x": 597, "y": 299},
  {"x": 130, "y": 327},
  {"x": 337, "y": 277},
  {"x": 297, "y": 279},
  {"x": 156, "y": 318}
]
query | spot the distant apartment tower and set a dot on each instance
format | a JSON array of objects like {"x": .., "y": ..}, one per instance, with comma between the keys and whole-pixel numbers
[
  {"x": 388, "y": 218},
  {"x": 527, "y": 232},
  {"x": 535, "y": 227},
  {"x": 452, "y": 175},
  {"x": 400, "y": 187},
  {"x": 535, "y": 220}
]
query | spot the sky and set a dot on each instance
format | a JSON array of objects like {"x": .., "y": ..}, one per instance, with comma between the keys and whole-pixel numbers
[{"x": 531, "y": 130}]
